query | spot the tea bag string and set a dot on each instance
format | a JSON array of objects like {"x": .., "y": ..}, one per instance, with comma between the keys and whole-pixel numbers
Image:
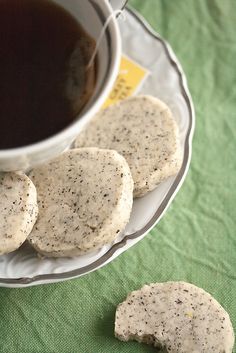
[{"x": 114, "y": 14}]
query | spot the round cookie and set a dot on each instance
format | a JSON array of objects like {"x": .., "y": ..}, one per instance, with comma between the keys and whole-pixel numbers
[
  {"x": 85, "y": 198},
  {"x": 176, "y": 315},
  {"x": 143, "y": 130},
  {"x": 18, "y": 210}
]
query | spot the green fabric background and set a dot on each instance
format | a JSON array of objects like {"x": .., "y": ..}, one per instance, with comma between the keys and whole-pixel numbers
[{"x": 196, "y": 239}]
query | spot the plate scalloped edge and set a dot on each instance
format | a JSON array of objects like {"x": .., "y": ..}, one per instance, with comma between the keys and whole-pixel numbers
[{"x": 113, "y": 251}]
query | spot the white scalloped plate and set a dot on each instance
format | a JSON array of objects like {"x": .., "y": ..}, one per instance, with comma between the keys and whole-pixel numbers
[{"x": 166, "y": 81}]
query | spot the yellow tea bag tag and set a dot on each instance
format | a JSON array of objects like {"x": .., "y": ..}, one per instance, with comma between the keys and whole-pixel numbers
[{"x": 129, "y": 80}]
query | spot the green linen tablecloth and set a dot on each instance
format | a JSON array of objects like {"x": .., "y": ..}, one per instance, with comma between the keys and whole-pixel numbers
[{"x": 196, "y": 239}]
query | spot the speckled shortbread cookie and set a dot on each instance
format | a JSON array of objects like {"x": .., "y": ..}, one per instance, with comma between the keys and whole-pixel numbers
[
  {"x": 176, "y": 315},
  {"x": 85, "y": 198},
  {"x": 143, "y": 130},
  {"x": 18, "y": 210}
]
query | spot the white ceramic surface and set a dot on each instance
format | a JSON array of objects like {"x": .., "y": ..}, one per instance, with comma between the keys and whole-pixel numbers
[
  {"x": 118, "y": 4},
  {"x": 166, "y": 81},
  {"x": 92, "y": 15}
]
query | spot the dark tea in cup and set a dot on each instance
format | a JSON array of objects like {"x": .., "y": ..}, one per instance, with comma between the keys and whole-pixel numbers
[{"x": 45, "y": 80}]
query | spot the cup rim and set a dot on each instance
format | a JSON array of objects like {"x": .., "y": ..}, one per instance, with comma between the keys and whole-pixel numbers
[{"x": 75, "y": 126}]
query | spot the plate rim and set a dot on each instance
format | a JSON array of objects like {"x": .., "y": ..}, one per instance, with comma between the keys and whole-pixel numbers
[{"x": 107, "y": 257}]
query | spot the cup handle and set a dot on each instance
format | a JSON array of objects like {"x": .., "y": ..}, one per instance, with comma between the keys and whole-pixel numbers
[{"x": 118, "y": 4}]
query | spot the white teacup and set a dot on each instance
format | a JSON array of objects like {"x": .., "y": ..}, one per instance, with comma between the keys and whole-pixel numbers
[{"x": 91, "y": 14}]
